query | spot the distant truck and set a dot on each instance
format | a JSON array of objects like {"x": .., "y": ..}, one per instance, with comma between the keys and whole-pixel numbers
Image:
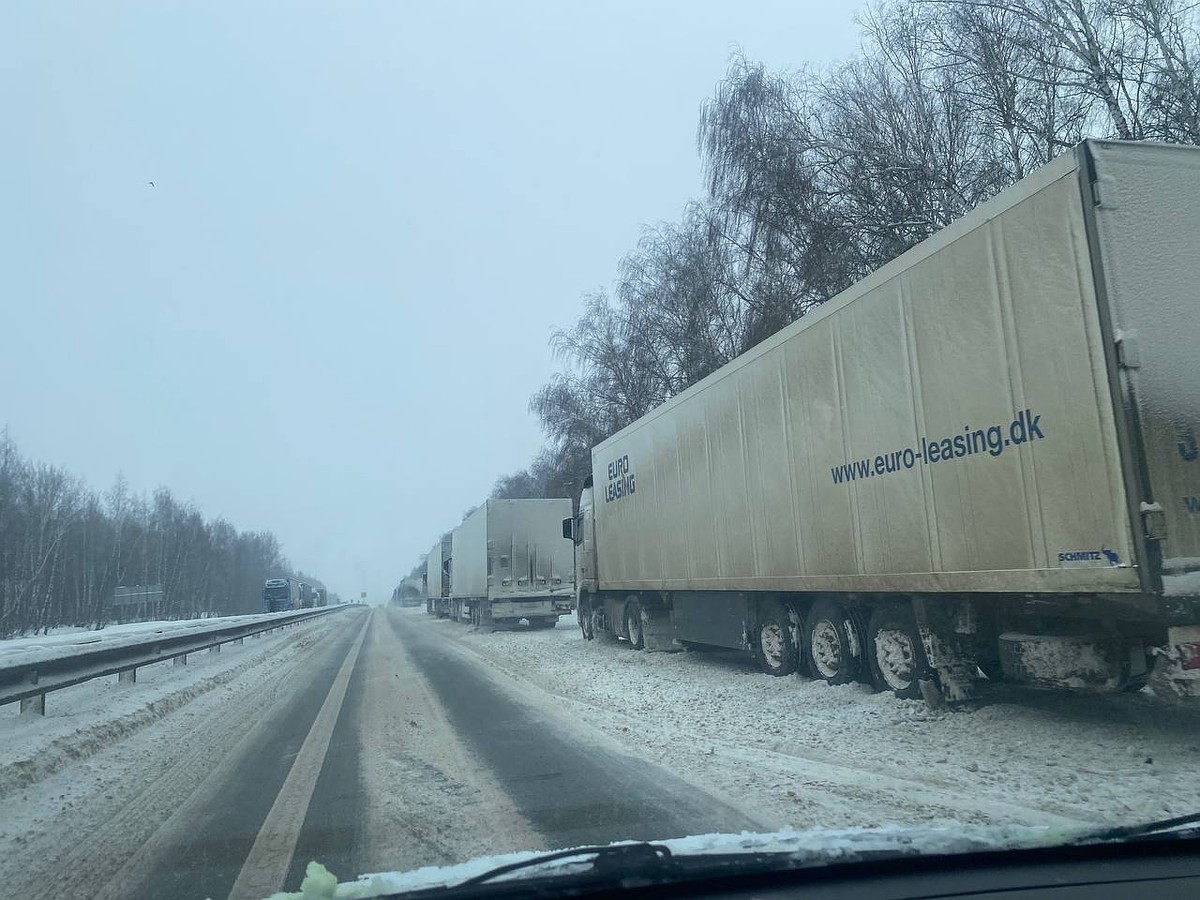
[
  {"x": 510, "y": 563},
  {"x": 982, "y": 457},
  {"x": 281, "y": 594},
  {"x": 409, "y": 592},
  {"x": 437, "y": 578}
]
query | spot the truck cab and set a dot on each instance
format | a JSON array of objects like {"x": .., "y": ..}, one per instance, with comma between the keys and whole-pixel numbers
[{"x": 581, "y": 530}]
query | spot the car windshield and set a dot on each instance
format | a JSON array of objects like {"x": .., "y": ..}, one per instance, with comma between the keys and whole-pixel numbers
[{"x": 438, "y": 434}]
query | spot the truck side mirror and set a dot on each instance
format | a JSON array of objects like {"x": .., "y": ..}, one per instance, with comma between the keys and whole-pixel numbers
[{"x": 568, "y": 528}]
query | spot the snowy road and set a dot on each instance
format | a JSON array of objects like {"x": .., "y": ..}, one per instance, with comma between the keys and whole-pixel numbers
[
  {"x": 368, "y": 742},
  {"x": 572, "y": 790},
  {"x": 382, "y": 740}
]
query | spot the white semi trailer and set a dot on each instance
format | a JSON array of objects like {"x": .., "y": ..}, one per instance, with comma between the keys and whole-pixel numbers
[
  {"x": 437, "y": 578},
  {"x": 510, "y": 563},
  {"x": 982, "y": 457}
]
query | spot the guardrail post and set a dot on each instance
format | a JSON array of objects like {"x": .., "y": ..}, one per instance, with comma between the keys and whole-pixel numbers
[
  {"x": 215, "y": 648},
  {"x": 181, "y": 660},
  {"x": 239, "y": 641},
  {"x": 35, "y": 705},
  {"x": 127, "y": 676}
]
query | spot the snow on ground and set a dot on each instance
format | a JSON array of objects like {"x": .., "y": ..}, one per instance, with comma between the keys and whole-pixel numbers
[
  {"x": 804, "y": 754},
  {"x": 83, "y": 719},
  {"x": 90, "y": 786},
  {"x": 63, "y": 642},
  {"x": 428, "y": 799}
]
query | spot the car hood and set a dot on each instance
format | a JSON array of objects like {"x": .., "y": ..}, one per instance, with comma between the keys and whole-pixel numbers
[{"x": 812, "y": 847}]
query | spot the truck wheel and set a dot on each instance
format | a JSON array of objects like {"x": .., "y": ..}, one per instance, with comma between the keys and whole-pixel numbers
[
  {"x": 543, "y": 622},
  {"x": 895, "y": 651},
  {"x": 633, "y": 625},
  {"x": 829, "y": 644},
  {"x": 776, "y": 649}
]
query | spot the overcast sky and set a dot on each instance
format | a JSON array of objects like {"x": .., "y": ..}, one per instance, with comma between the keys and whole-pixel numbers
[{"x": 327, "y": 315}]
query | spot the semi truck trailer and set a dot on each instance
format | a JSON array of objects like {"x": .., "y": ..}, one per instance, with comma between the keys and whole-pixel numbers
[
  {"x": 979, "y": 461},
  {"x": 510, "y": 563},
  {"x": 438, "y": 563}
]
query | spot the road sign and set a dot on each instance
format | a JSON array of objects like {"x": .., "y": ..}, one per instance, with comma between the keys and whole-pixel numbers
[{"x": 138, "y": 601}]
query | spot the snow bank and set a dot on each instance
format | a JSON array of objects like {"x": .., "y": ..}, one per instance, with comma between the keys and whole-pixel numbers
[
  {"x": 71, "y": 642},
  {"x": 87, "y": 718}
]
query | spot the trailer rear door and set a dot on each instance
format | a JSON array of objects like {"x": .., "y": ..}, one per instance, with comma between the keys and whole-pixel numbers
[{"x": 1146, "y": 206}]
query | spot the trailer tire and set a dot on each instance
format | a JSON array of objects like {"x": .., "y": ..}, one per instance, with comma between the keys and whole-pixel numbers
[
  {"x": 543, "y": 622},
  {"x": 827, "y": 643},
  {"x": 776, "y": 651},
  {"x": 895, "y": 651},
  {"x": 633, "y": 625}
]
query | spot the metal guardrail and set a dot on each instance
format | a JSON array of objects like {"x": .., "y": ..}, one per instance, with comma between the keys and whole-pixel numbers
[{"x": 30, "y": 682}]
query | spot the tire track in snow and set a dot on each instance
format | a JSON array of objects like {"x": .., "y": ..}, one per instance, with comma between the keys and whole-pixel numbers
[
  {"x": 801, "y": 788},
  {"x": 418, "y": 776},
  {"x": 576, "y": 786}
]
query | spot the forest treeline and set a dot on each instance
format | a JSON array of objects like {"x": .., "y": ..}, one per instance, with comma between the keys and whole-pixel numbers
[{"x": 65, "y": 548}]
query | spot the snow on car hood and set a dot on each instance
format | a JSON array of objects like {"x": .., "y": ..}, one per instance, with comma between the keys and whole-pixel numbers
[{"x": 814, "y": 846}]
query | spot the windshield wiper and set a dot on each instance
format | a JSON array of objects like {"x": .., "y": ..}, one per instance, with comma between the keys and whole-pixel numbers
[
  {"x": 655, "y": 863},
  {"x": 1128, "y": 832},
  {"x": 624, "y": 860},
  {"x": 641, "y": 860}
]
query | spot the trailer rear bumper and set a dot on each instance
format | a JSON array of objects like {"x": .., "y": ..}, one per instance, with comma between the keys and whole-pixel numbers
[{"x": 523, "y": 608}]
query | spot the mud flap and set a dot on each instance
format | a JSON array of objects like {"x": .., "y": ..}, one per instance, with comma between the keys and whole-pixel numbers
[
  {"x": 796, "y": 627},
  {"x": 483, "y": 617},
  {"x": 951, "y": 657},
  {"x": 953, "y": 661},
  {"x": 658, "y": 633}
]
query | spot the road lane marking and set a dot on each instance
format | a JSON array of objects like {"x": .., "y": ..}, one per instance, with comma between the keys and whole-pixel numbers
[{"x": 269, "y": 859}]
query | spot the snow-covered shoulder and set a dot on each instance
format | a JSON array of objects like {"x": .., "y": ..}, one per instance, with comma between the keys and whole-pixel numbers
[{"x": 66, "y": 642}]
